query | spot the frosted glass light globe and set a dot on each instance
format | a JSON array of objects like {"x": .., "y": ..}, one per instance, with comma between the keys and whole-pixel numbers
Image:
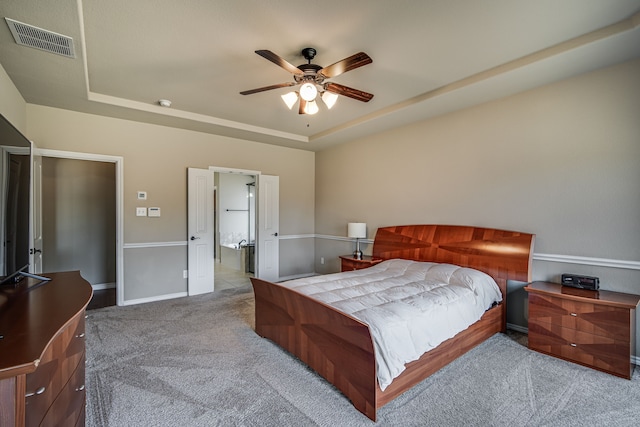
[{"x": 308, "y": 92}]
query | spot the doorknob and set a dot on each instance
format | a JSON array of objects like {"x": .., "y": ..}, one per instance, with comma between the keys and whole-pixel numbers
[
  {"x": 35, "y": 251},
  {"x": 194, "y": 238},
  {"x": 275, "y": 234}
]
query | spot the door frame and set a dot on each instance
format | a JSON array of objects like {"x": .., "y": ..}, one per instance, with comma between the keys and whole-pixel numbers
[
  {"x": 257, "y": 174},
  {"x": 119, "y": 165}
]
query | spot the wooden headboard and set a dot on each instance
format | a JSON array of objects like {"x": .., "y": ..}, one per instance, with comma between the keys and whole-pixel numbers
[{"x": 504, "y": 255}]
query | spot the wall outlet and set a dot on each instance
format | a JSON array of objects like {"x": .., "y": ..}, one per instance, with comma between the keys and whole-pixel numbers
[
  {"x": 185, "y": 274},
  {"x": 141, "y": 211},
  {"x": 321, "y": 260}
]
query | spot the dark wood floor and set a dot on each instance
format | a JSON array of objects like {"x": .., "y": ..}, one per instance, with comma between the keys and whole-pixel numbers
[{"x": 102, "y": 298}]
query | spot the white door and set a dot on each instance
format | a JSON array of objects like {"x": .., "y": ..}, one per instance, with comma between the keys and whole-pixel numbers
[
  {"x": 200, "y": 231},
  {"x": 268, "y": 256},
  {"x": 35, "y": 213}
]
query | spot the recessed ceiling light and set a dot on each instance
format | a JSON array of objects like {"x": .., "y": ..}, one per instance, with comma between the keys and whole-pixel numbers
[{"x": 164, "y": 103}]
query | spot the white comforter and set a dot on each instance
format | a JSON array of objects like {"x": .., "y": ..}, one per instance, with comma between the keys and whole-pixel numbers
[{"x": 410, "y": 307}]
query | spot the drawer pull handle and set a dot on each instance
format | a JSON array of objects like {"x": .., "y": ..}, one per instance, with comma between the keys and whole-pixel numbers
[
  {"x": 38, "y": 391},
  {"x": 573, "y": 345},
  {"x": 80, "y": 336},
  {"x": 80, "y": 388},
  {"x": 574, "y": 314}
]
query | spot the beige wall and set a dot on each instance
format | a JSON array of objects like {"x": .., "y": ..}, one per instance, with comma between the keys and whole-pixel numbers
[
  {"x": 156, "y": 159},
  {"x": 12, "y": 105},
  {"x": 561, "y": 161}
]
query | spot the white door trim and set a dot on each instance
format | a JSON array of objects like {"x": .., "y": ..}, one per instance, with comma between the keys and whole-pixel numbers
[
  {"x": 119, "y": 164},
  {"x": 35, "y": 212},
  {"x": 257, "y": 175},
  {"x": 232, "y": 170}
]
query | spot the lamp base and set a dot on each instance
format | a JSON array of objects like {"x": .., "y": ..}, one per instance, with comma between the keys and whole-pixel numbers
[{"x": 357, "y": 254}]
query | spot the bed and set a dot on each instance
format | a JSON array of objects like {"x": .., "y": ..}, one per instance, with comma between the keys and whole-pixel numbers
[{"x": 341, "y": 348}]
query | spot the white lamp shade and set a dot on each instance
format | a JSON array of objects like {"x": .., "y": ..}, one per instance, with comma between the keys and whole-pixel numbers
[
  {"x": 329, "y": 99},
  {"x": 308, "y": 91},
  {"x": 357, "y": 230},
  {"x": 290, "y": 99},
  {"x": 311, "y": 107}
]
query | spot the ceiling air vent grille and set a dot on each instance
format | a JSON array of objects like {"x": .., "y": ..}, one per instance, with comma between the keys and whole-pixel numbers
[{"x": 28, "y": 35}]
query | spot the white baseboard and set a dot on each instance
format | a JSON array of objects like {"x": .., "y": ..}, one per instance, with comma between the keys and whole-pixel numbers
[
  {"x": 156, "y": 298},
  {"x": 103, "y": 286}
]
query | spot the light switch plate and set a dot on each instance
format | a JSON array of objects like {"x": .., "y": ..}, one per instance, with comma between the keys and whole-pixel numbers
[
  {"x": 141, "y": 211},
  {"x": 154, "y": 212},
  {"x": 142, "y": 195}
]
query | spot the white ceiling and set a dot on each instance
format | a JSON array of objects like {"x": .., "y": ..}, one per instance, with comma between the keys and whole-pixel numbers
[{"x": 429, "y": 57}]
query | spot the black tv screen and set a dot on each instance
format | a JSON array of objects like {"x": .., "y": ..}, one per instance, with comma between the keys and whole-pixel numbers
[{"x": 15, "y": 200}]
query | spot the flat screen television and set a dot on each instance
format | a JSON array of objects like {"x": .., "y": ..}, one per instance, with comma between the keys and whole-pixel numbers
[{"x": 15, "y": 203}]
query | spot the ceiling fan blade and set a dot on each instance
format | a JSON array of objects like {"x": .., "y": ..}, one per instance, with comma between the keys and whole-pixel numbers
[
  {"x": 303, "y": 104},
  {"x": 267, "y": 54},
  {"x": 347, "y": 64},
  {"x": 347, "y": 91},
  {"x": 262, "y": 89}
]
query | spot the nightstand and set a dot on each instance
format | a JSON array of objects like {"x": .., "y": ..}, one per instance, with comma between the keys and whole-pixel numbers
[
  {"x": 349, "y": 263},
  {"x": 592, "y": 328}
]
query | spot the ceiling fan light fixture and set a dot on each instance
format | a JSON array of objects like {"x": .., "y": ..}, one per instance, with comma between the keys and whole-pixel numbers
[
  {"x": 290, "y": 99},
  {"x": 308, "y": 91},
  {"x": 311, "y": 108},
  {"x": 311, "y": 81},
  {"x": 329, "y": 99}
]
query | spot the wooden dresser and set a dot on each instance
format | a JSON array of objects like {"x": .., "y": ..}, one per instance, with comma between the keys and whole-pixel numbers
[
  {"x": 42, "y": 352},
  {"x": 592, "y": 328}
]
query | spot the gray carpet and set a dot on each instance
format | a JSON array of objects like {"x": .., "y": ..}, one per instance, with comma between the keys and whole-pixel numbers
[{"x": 197, "y": 362}]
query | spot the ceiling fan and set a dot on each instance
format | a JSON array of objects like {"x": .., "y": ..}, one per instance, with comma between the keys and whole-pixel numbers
[{"x": 311, "y": 76}]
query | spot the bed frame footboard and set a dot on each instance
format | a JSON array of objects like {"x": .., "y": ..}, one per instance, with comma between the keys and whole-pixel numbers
[{"x": 335, "y": 345}]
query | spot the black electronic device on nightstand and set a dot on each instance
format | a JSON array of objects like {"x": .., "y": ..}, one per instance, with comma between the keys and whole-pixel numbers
[{"x": 582, "y": 282}]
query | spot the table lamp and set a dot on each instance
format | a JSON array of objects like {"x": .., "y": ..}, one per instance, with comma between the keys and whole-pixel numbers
[{"x": 357, "y": 230}]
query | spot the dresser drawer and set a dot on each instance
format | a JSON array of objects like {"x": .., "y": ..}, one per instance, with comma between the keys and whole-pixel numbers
[
  {"x": 597, "y": 351},
  {"x": 596, "y": 319},
  {"x": 66, "y": 408},
  {"x": 58, "y": 363}
]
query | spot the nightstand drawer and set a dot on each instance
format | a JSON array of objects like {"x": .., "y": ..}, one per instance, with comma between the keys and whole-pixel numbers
[
  {"x": 591, "y": 350},
  {"x": 586, "y": 317}
]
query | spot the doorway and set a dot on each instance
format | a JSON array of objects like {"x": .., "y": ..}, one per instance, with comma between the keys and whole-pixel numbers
[
  {"x": 81, "y": 211},
  {"x": 234, "y": 228},
  {"x": 262, "y": 222}
]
